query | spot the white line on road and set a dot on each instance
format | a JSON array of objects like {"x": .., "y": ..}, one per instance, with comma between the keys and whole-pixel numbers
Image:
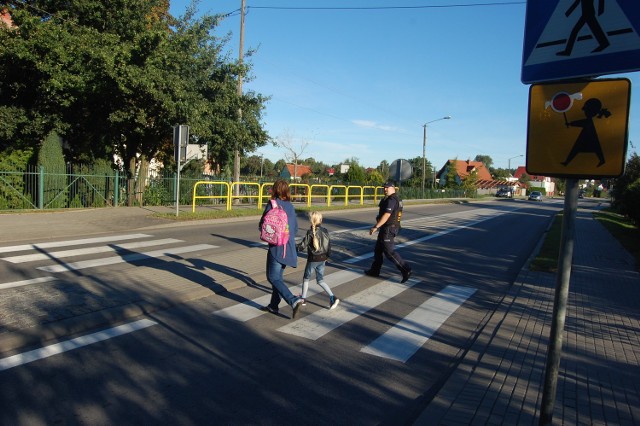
[
  {"x": 321, "y": 322},
  {"x": 68, "y": 345},
  {"x": 124, "y": 258},
  {"x": 401, "y": 341},
  {"x": 419, "y": 240},
  {"x": 27, "y": 282},
  {"x": 90, "y": 250},
  {"x": 24, "y": 247},
  {"x": 250, "y": 309}
]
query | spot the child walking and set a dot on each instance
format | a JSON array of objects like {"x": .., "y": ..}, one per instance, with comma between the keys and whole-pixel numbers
[{"x": 318, "y": 246}]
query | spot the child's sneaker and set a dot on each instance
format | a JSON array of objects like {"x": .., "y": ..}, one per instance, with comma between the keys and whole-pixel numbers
[{"x": 333, "y": 302}]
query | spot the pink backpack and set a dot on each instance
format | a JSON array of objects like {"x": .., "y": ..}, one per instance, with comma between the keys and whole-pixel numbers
[{"x": 275, "y": 226}]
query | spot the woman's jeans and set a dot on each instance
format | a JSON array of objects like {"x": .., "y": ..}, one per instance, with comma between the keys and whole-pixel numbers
[{"x": 275, "y": 272}]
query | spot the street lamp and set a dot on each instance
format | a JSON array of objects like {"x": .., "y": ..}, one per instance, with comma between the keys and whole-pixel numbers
[
  {"x": 424, "y": 149},
  {"x": 509, "y": 167}
]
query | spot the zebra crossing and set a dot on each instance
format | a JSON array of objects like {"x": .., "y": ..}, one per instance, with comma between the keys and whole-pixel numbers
[
  {"x": 398, "y": 343},
  {"x": 115, "y": 247}
]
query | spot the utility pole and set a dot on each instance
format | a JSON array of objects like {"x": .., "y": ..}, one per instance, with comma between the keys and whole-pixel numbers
[{"x": 236, "y": 154}]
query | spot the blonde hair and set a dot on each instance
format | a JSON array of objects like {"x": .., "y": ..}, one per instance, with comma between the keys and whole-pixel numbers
[{"x": 316, "y": 219}]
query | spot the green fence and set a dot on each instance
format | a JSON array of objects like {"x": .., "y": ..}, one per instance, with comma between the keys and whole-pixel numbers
[{"x": 35, "y": 188}]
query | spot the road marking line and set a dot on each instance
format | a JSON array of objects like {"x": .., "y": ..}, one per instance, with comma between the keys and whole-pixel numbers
[
  {"x": 71, "y": 242},
  {"x": 250, "y": 309},
  {"x": 321, "y": 322},
  {"x": 27, "y": 282},
  {"x": 419, "y": 240},
  {"x": 89, "y": 250},
  {"x": 68, "y": 345},
  {"x": 124, "y": 258},
  {"x": 401, "y": 341}
]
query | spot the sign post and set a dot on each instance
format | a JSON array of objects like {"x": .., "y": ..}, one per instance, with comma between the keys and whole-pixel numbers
[
  {"x": 180, "y": 139},
  {"x": 576, "y": 129}
]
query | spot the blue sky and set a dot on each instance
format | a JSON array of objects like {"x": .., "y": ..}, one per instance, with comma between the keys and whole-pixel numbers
[{"x": 361, "y": 83}]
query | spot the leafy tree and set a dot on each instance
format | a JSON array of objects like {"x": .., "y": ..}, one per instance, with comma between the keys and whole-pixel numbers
[
  {"x": 452, "y": 180},
  {"x": 486, "y": 160},
  {"x": 626, "y": 190},
  {"x": 469, "y": 182},
  {"x": 500, "y": 174},
  {"x": 355, "y": 174},
  {"x": 115, "y": 78}
]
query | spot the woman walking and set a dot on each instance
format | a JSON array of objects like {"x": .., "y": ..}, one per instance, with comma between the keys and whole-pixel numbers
[{"x": 281, "y": 256}]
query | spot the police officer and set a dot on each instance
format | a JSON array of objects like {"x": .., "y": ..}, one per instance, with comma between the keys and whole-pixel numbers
[{"x": 388, "y": 226}]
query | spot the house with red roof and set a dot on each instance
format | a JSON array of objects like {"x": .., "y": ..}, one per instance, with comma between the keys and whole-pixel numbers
[
  {"x": 535, "y": 181},
  {"x": 295, "y": 171}
]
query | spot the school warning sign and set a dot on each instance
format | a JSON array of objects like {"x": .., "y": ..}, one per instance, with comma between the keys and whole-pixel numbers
[{"x": 578, "y": 129}]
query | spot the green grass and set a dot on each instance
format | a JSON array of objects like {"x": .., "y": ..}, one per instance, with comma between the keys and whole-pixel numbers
[
  {"x": 619, "y": 226},
  {"x": 623, "y": 230},
  {"x": 547, "y": 258}
]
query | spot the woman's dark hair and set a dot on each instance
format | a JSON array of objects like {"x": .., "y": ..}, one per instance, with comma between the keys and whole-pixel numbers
[{"x": 280, "y": 189}]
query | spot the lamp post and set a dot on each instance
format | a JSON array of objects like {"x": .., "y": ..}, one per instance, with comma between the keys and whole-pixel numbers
[
  {"x": 424, "y": 148},
  {"x": 509, "y": 167}
]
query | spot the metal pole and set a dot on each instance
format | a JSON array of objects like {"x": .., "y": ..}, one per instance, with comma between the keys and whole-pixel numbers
[
  {"x": 424, "y": 150},
  {"x": 565, "y": 259},
  {"x": 236, "y": 154}
]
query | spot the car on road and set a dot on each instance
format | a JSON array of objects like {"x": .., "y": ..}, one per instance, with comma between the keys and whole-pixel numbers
[
  {"x": 504, "y": 192},
  {"x": 535, "y": 196}
]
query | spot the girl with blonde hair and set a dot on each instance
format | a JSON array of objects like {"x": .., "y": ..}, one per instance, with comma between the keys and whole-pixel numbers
[{"x": 318, "y": 246}]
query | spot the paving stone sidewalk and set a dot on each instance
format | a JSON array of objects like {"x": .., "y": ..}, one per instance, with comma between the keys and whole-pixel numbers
[{"x": 501, "y": 378}]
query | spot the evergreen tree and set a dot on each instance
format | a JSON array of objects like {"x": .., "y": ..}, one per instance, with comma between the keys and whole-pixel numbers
[{"x": 51, "y": 161}]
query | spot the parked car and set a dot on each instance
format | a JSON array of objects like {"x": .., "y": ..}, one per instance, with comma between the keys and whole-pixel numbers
[
  {"x": 535, "y": 196},
  {"x": 504, "y": 192}
]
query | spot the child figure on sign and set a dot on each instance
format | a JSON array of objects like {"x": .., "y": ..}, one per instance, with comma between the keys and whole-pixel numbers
[{"x": 318, "y": 246}]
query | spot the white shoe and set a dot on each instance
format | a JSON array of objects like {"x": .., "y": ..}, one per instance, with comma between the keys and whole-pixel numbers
[{"x": 334, "y": 302}]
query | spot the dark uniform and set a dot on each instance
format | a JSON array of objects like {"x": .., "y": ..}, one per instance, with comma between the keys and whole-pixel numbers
[{"x": 387, "y": 233}]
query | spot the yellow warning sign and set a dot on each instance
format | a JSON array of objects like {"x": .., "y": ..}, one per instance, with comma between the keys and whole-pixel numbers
[{"x": 578, "y": 129}]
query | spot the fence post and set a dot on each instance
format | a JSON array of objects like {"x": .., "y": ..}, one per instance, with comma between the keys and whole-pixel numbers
[
  {"x": 116, "y": 190},
  {"x": 41, "y": 187}
]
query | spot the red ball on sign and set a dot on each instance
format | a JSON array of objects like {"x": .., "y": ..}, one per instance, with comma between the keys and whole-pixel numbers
[{"x": 561, "y": 102}]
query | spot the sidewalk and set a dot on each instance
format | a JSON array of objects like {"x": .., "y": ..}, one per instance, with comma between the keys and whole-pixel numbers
[{"x": 500, "y": 378}]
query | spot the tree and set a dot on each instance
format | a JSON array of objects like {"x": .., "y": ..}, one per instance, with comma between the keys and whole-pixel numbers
[
  {"x": 51, "y": 159},
  {"x": 486, "y": 160},
  {"x": 469, "y": 183},
  {"x": 293, "y": 153},
  {"x": 355, "y": 174},
  {"x": 452, "y": 180},
  {"x": 626, "y": 190},
  {"x": 116, "y": 79}
]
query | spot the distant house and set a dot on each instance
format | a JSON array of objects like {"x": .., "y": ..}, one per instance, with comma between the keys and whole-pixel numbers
[
  {"x": 295, "y": 172},
  {"x": 463, "y": 169},
  {"x": 544, "y": 182}
]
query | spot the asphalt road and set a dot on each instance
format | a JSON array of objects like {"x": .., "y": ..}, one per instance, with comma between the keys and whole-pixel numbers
[{"x": 219, "y": 360}]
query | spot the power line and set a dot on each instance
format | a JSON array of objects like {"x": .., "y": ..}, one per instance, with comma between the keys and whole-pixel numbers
[{"x": 436, "y": 6}]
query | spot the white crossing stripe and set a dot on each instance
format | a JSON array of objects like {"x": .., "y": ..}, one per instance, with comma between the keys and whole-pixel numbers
[
  {"x": 323, "y": 321},
  {"x": 90, "y": 250},
  {"x": 68, "y": 345},
  {"x": 401, "y": 341},
  {"x": 250, "y": 309},
  {"x": 27, "y": 282},
  {"x": 124, "y": 258},
  {"x": 419, "y": 240},
  {"x": 25, "y": 247}
]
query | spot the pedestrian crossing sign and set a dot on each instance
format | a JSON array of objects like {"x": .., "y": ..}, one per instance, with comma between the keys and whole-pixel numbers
[
  {"x": 578, "y": 129},
  {"x": 567, "y": 39}
]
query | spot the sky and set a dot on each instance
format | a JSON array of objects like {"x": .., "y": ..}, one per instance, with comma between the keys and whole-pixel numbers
[{"x": 360, "y": 78}]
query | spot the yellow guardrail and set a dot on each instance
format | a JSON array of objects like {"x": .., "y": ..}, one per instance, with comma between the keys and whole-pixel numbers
[{"x": 299, "y": 192}]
